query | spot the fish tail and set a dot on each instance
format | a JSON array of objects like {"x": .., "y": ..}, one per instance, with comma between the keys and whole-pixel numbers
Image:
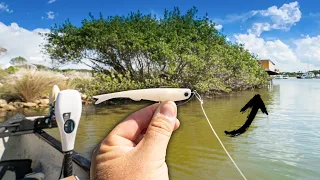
[{"x": 101, "y": 98}]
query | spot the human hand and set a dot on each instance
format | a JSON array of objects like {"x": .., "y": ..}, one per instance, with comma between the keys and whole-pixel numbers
[{"x": 136, "y": 147}]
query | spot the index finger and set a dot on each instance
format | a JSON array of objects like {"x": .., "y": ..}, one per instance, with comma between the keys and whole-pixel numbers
[{"x": 129, "y": 129}]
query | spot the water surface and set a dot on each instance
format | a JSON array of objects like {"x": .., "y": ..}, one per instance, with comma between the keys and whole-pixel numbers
[{"x": 282, "y": 145}]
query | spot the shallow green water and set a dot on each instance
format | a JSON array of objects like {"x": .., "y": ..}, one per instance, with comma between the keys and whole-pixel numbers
[{"x": 283, "y": 145}]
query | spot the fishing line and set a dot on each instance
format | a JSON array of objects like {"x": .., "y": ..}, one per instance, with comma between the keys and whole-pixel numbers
[{"x": 201, "y": 104}]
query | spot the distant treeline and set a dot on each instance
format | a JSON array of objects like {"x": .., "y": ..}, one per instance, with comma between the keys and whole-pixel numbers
[{"x": 42, "y": 67}]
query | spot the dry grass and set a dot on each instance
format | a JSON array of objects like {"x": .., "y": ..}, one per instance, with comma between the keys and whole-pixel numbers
[
  {"x": 30, "y": 85},
  {"x": 66, "y": 84},
  {"x": 33, "y": 85}
]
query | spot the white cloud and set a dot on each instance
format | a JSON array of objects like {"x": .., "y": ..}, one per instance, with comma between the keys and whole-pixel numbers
[
  {"x": 287, "y": 58},
  {"x": 308, "y": 49},
  {"x": 286, "y": 15},
  {"x": 280, "y": 18},
  {"x": 5, "y": 8},
  {"x": 305, "y": 54},
  {"x": 50, "y": 15},
  {"x": 218, "y": 27},
  {"x": 21, "y": 42},
  {"x": 275, "y": 50},
  {"x": 314, "y": 14},
  {"x": 235, "y": 17},
  {"x": 258, "y": 28},
  {"x": 51, "y": 1}
]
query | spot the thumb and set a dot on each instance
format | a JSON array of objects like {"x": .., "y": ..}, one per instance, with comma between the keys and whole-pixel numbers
[{"x": 158, "y": 134}]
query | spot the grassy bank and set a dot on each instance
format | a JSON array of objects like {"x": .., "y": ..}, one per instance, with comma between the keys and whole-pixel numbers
[
  {"x": 22, "y": 88},
  {"x": 107, "y": 83},
  {"x": 32, "y": 87}
]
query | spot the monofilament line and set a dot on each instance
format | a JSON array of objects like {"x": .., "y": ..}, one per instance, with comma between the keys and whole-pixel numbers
[{"x": 201, "y": 104}]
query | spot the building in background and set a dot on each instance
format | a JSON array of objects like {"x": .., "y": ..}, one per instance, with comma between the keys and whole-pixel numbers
[{"x": 269, "y": 66}]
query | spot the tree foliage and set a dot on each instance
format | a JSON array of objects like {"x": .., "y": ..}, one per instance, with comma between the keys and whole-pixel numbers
[
  {"x": 2, "y": 50},
  {"x": 181, "y": 49},
  {"x": 18, "y": 61}
]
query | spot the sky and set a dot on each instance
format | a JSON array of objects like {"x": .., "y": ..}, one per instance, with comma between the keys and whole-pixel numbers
[{"x": 286, "y": 32}]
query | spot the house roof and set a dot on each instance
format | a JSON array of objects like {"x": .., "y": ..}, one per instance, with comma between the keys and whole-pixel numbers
[{"x": 266, "y": 60}]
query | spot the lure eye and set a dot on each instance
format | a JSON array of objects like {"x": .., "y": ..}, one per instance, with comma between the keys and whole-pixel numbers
[{"x": 186, "y": 94}]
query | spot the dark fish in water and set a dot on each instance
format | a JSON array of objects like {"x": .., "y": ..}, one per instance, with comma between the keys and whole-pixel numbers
[{"x": 255, "y": 104}]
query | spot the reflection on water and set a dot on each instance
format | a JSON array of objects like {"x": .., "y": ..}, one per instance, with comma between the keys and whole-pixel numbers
[{"x": 283, "y": 145}]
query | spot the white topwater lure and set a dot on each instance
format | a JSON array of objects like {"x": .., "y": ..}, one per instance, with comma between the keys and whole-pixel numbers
[
  {"x": 153, "y": 94},
  {"x": 163, "y": 94}
]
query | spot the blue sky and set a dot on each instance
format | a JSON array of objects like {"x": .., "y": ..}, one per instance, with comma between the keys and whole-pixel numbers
[{"x": 286, "y": 32}]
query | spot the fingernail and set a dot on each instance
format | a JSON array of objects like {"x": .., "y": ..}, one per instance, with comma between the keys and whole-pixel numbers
[{"x": 169, "y": 110}]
